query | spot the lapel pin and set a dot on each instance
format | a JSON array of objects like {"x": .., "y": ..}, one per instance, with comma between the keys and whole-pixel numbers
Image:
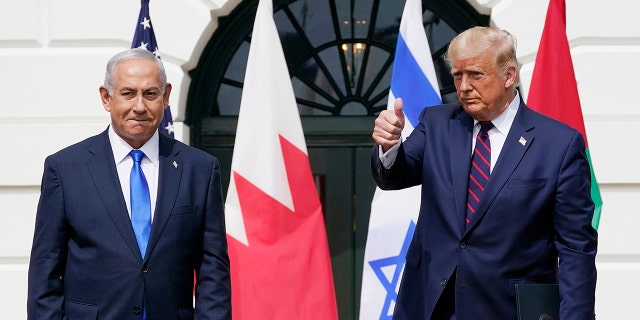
[
  {"x": 175, "y": 164},
  {"x": 522, "y": 141}
]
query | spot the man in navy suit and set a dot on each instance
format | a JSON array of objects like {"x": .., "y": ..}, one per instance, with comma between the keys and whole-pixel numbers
[
  {"x": 532, "y": 222},
  {"x": 85, "y": 260}
]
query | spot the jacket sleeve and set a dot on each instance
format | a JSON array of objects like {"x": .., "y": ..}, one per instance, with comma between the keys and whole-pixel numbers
[
  {"x": 45, "y": 297},
  {"x": 575, "y": 240},
  {"x": 405, "y": 171},
  {"x": 213, "y": 286}
]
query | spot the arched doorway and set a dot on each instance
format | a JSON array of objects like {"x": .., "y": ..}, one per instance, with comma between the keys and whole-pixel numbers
[{"x": 340, "y": 57}]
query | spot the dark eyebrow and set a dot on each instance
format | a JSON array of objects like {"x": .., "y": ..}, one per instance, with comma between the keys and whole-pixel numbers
[{"x": 125, "y": 89}]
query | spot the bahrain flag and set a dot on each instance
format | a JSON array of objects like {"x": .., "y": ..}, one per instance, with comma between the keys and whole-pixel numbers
[{"x": 280, "y": 263}]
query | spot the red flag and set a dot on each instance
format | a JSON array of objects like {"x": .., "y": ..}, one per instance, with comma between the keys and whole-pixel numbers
[
  {"x": 280, "y": 263},
  {"x": 554, "y": 90}
]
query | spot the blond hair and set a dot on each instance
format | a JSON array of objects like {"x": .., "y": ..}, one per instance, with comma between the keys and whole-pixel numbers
[{"x": 476, "y": 41}]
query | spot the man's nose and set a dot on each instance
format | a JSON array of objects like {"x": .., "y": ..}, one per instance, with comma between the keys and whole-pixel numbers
[
  {"x": 138, "y": 104},
  {"x": 465, "y": 85}
]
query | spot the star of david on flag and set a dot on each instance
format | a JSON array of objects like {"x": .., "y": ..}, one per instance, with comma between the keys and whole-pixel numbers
[
  {"x": 144, "y": 37},
  {"x": 414, "y": 80},
  {"x": 396, "y": 265}
]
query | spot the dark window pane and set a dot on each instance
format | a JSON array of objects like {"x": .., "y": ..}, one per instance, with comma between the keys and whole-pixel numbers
[
  {"x": 310, "y": 99},
  {"x": 353, "y": 109},
  {"x": 354, "y": 18},
  {"x": 229, "y": 100},
  {"x": 387, "y": 22},
  {"x": 238, "y": 64},
  {"x": 439, "y": 33},
  {"x": 314, "y": 17},
  {"x": 294, "y": 44},
  {"x": 330, "y": 58},
  {"x": 373, "y": 83},
  {"x": 361, "y": 18},
  {"x": 353, "y": 55}
]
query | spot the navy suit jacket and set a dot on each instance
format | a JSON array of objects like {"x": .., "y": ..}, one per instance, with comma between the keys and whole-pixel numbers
[
  {"x": 533, "y": 224},
  {"x": 85, "y": 262}
]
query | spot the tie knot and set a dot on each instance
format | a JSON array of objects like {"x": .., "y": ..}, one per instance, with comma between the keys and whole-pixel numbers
[
  {"x": 485, "y": 126},
  {"x": 137, "y": 155}
]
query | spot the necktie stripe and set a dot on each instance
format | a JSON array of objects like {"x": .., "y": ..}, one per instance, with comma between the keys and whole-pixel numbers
[
  {"x": 480, "y": 171},
  {"x": 473, "y": 194},
  {"x": 475, "y": 182},
  {"x": 484, "y": 160},
  {"x": 483, "y": 143}
]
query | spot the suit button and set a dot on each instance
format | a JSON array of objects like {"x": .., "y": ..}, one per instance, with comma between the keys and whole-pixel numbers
[
  {"x": 443, "y": 282},
  {"x": 462, "y": 245},
  {"x": 137, "y": 310},
  {"x": 545, "y": 316},
  {"x": 145, "y": 269}
]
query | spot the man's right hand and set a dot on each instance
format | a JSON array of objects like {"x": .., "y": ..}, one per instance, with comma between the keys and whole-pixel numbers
[{"x": 388, "y": 126}]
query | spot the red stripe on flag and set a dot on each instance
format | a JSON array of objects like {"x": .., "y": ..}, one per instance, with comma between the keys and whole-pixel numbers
[
  {"x": 285, "y": 271},
  {"x": 554, "y": 90}
]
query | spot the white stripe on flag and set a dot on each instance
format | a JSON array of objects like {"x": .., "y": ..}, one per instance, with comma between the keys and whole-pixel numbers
[
  {"x": 391, "y": 226},
  {"x": 268, "y": 103}
]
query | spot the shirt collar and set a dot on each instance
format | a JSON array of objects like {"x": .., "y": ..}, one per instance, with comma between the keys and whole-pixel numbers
[
  {"x": 121, "y": 148},
  {"x": 503, "y": 122}
]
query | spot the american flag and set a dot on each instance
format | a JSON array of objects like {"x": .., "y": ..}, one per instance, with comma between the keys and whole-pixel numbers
[{"x": 144, "y": 37}]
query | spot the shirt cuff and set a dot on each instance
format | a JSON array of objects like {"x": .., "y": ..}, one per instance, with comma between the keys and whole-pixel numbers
[{"x": 389, "y": 157}]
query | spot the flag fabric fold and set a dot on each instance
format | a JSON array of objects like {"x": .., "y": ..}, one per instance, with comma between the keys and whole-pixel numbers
[
  {"x": 280, "y": 263},
  {"x": 394, "y": 213},
  {"x": 144, "y": 37},
  {"x": 554, "y": 90}
]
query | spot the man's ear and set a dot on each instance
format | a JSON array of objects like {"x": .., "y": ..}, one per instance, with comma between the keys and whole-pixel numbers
[
  {"x": 166, "y": 94},
  {"x": 510, "y": 77},
  {"x": 105, "y": 97}
]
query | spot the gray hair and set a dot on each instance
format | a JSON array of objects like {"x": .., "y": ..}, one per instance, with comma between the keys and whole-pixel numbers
[{"x": 135, "y": 53}]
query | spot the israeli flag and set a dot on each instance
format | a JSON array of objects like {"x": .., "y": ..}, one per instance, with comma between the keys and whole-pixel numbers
[{"x": 394, "y": 213}]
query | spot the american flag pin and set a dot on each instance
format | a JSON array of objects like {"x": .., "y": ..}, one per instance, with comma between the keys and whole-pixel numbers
[
  {"x": 522, "y": 141},
  {"x": 175, "y": 164}
]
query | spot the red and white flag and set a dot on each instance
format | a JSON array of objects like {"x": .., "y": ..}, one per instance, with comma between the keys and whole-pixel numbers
[{"x": 280, "y": 263}]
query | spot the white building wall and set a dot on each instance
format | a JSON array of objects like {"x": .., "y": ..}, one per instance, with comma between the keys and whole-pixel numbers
[{"x": 52, "y": 58}]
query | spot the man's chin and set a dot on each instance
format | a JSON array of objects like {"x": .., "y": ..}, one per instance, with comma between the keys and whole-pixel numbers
[
  {"x": 475, "y": 110},
  {"x": 137, "y": 133},
  {"x": 471, "y": 107}
]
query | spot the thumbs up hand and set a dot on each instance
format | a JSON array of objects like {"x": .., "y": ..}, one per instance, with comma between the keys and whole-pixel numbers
[{"x": 388, "y": 126}]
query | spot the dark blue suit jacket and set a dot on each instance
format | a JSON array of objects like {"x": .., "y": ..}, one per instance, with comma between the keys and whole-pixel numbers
[
  {"x": 85, "y": 263},
  {"x": 536, "y": 209}
]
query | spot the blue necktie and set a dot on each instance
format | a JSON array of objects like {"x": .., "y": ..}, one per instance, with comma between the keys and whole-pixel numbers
[
  {"x": 140, "y": 207},
  {"x": 140, "y": 202},
  {"x": 480, "y": 169}
]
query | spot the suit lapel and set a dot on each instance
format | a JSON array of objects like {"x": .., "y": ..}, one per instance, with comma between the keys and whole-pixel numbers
[
  {"x": 170, "y": 173},
  {"x": 460, "y": 129},
  {"x": 517, "y": 143},
  {"x": 103, "y": 171}
]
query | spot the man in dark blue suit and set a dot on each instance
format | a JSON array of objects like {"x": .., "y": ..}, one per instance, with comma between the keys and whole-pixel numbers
[
  {"x": 532, "y": 221},
  {"x": 86, "y": 262}
]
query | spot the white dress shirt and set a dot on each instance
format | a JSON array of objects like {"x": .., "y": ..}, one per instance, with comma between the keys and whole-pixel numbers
[
  {"x": 501, "y": 127},
  {"x": 124, "y": 162}
]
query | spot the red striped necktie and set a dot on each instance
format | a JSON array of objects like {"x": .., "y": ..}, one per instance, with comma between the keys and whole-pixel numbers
[{"x": 480, "y": 169}]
